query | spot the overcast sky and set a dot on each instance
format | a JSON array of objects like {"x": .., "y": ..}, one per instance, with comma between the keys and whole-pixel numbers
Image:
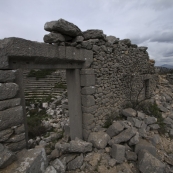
[{"x": 146, "y": 22}]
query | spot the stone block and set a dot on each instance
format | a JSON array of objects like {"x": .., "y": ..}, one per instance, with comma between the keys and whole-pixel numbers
[
  {"x": 16, "y": 138},
  {"x": 87, "y": 80},
  {"x": 5, "y": 104},
  {"x": 87, "y": 118},
  {"x": 8, "y": 90},
  {"x": 89, "y": 109},
  {"x": 7, "y": 75},
  {"x": 88, "y": 90},
  {"x": 129, "y": 112},
  {"x": 17, "y": 145},
  {"x": 5, "y": 134},
  {"x": 88, "y": 57},
  {"x": 150, "y": 120},
  {"x": 76, "y": 163},
  {"x": 73, "y": 53},
  {"x": 4, "y": 64},
  {"x": 6, "y": 157},
  {"x": 11, "y": 117},
  {"x": 30, "y": 161},
  {"x": 87, "y": 71},
  {"x": 148, "y": 163},
  {"x": 86, "y": 134},
  {"x": 20, "y": 129},
  {"x": 118, "y": 152},
  {"x": 99, "y": 139},
  {"x": 131, "y": 156},
  {"x": 88, "y": 100}
]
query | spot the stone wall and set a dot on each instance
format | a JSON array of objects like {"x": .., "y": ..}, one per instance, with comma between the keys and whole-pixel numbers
[{"x": 12, "y": 131}]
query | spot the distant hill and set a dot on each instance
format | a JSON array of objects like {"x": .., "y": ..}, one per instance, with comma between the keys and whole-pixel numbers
[{"x": 167, "y": 66}]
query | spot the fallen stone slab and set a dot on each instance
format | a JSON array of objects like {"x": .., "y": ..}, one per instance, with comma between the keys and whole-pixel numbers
[
  {"x": 64, "y": 27},
  {"x": 144, "y": 145},
  {"x": 76, "y": 163},
  {"x": 148, "y": 163},
  {"x": 115, "y": 129},
  {"x": 99, "y": 139},
  {"x": 124, "y": 136},
  {"x": 6, "y": 157},
  {"x": 30, "y": 161},
  {"x": 129, "y": 112}
]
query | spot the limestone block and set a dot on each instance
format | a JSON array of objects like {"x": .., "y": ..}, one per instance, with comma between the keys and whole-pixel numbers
[
  {"x": 78, "y": 39},
  {"x": 76, "y": 163},
  {"x": 99, "y": 139},
  {"x": 20, "y": 129},
  {"x": 6, "y": 157},
  {"x": 148, "y": 163},
  {"x": 131, "y": 156},
  {"x": 87, "y": 71},
  {"x": 118, "y": 152},
  {"x": 30, "y": 161},
  {"x": 59, "y": 165},
  {"x": 50, "y": 169},
  {"x": 88, "y": 90},
  {"x": 5, "y": 134},
  {"x": 17, "y": 145},
  {"x": 88, "y": 57},
  {"x": 4, "y": 64},
  {"x": 7, "y": 75},
  {"x": 63, "y": 27},
  {"x": 89, "y": 109},
  {"x": 129, "y": 112},
  {"x": 11, "y": 117},
  {"x": 88, "y": 100},
  {"x": 16, "y": 138},
  {"x": 150, "y": 120},
  {"x": 87, "y": 118},
  {"x": 5, "y": 104},
  {"x": 93, "y": 34},
  {"x": 8, "y": 90},
  {"x": 53, "y": 37},
  {"x": 87, "y": 80}
]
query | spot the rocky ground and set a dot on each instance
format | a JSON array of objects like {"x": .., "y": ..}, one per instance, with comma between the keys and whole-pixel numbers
[{"x": 134, "y": 143}]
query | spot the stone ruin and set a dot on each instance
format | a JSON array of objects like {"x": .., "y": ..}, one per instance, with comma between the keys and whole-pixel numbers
[{"x": 97, "y": 70}]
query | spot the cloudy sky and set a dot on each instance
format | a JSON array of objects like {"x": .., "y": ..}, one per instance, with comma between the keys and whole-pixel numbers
[{"x": 146, "y": 22}]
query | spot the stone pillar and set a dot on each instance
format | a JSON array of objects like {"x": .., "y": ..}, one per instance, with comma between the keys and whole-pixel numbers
[
  {"x": 88, "y": 100},
  {"x": 74, "y": 103}
]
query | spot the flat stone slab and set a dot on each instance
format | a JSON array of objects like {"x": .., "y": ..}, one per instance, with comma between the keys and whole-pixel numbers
[{"x": 30, "y": 161}]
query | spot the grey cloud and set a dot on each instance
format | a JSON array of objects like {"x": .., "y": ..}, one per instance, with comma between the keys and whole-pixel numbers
[{"x": 163, "y": 37}]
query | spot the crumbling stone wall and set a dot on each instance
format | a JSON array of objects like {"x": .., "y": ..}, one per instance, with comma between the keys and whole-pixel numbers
[{"x": 12, "y": 131}]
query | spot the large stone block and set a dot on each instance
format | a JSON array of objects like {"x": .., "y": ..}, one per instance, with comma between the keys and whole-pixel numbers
[
  {"x": 88, "y": 90},
  {"x": 118, "y": 152},
  {"x": 93, "y": 34},
  {"x": 88, "y": 100},
  {"x": 7, "y": 75},
  {"x": 17, "y": 146},
  {"x": 11, "y": 117},
  {"x": 5, "y": 134},
  {"x": 30, "y": 161},
  {"x": 63, "y": 27},
  {"x": 87, "y": 80},
  {"x": 87, "y": 71},
  {"x": 8, "y": 90},
  {"x": 53, "y": 37},
  {"x": 5, "y": 104}
]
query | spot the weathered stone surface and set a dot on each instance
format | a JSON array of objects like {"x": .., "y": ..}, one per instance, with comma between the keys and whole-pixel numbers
[
  {"x": 87, "y": 119},
  {"x": 30, "y": 161},
  {"x": 150, "y": 120},
  {"x": 62, "y": 147},
  {"x": 16, "y": 138},
  {"x": 88, "y": 100},
  {"x": 63, "y": 27},
  {"x": 8, "y": 90},
  {"x": 134, "y": 140},
  {"x": 6, "y": 157},
  {"x": 11, "y": 117},
  {"x": 17, "y": 146},
  {"x": 59, "y": 166},
  {"x": 124, "y": 136},
  {"x": 112, "y": 39},
  {"x": 5, "y": 134},
  {"x": 20, "y": 129},
  {"x": 124, "y": 168},
  {"x": 93, "y": 34},
  {"x": 87, "y": 80},
  {"x": 99, "y": 139},
  {"x": 78, "y": 39},
  {"x": 87, "y": 71},
  {"x": 50, "y": 169},
  {"x": 80, "y": 146},
  {"x": 115, "y": 129},
  {"x": 5, "y": 104},
  {"x": 131, "y": 156},
  {"x": 104, "y": 169},
  {"x": 53, "y": 37},
  {"x": 129, "y": 112},
  {"x": 144, "y": 145},
  {"x": 76, "y": 163},
  {"x": 7, "y": 75},
  {"x": 148, "y": 163},
  {"x": 88, "y": 90},
  {"x": 143, "y": 48},
  {"x": 118, "y": 152},
  {"x": 169, "y": 159},
  {"x": 89, "y": 109},
  {"x": 126, "y": 42}
]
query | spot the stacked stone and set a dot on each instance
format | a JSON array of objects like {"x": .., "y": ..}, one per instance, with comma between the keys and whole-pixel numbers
[
  {"x": 105, "y": 79},
  {"x": 12, "y": 132}
]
